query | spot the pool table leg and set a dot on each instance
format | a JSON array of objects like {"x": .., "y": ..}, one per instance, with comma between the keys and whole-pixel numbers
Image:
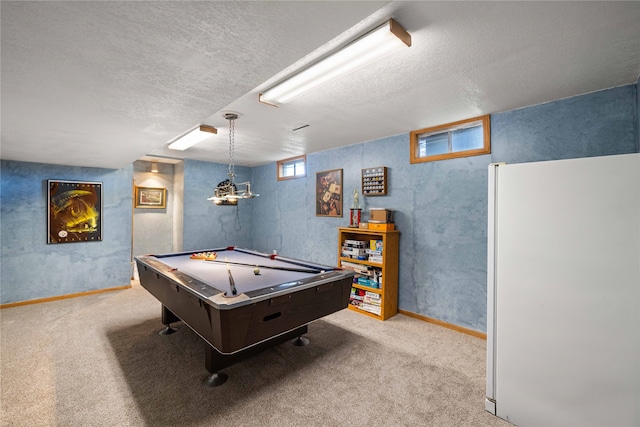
[
  {"x": 301, "y": 341},
  {"x": 167, "y": 318},
  {"x": 215, "y": 379},
  {"x": 215, "y": 361}
]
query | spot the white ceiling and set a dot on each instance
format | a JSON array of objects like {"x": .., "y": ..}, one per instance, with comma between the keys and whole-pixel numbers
[{"x": 106, "y": 83}]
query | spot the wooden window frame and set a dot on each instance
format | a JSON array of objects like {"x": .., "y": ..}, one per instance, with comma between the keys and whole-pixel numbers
[
  {"x": 486, "y": 149},
  {"x": 281, "y": 163}
]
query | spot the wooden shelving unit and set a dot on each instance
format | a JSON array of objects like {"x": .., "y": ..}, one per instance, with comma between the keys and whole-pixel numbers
[{"x": 388, "y": 291}]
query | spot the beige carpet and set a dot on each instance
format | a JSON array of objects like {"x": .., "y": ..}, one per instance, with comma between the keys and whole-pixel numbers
[{"x": 99, "y": 361}]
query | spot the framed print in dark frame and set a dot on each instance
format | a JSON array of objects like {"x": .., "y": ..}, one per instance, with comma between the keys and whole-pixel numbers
[
  {"x": 329, "y": 193},
  {"x": 74, "y": 211},
  {"x": 151, "y": 197}
]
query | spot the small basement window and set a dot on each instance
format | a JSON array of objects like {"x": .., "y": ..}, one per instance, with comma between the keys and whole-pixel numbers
[
  {"x": 294, "y": 167},
  {"x": 465, "y": 138}
]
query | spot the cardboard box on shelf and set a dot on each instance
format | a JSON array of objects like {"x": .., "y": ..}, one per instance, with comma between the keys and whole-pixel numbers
[{"x": 380, "y": 215}]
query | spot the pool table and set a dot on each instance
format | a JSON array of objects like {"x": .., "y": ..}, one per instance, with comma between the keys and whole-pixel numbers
[{"x": 275, "y": 299}]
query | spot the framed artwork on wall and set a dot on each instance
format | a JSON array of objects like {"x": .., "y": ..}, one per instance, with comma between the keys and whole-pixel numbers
[
  {"x": 151, "y": 198},
  {"x": 74, "y": 211},
  {"x": 329, "y": 193}
]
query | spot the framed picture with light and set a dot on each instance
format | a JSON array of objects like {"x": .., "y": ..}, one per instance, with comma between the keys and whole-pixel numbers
[
  {"x": 329, "y": 193},
  {"x": 151, "y": 198},
  {"x": 74, "y": 211}
]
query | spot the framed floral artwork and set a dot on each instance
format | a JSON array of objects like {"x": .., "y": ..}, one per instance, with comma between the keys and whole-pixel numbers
[{"x": 151, "y": 198}]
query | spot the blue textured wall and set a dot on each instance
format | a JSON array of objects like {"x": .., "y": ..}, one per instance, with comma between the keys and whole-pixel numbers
[
  {"x": 597, "y": 124},
  {"x": 440, "y": 207},
  {"x": 207, "y": 226},
  {"x": 33, "y": 269}
]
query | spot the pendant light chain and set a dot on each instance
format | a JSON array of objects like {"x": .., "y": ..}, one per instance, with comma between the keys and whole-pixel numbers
[
  {"x": 231, "y": 149},
  {"x": 226, "y": 193}
]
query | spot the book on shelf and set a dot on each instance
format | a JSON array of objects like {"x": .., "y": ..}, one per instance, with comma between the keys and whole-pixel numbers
[
  {"x": 356, "y": 243},
  {"x": 355, "y": 267},
  {"x": 371, "y": 301},
  {"x": 368, "y": 282},
  {"x": 354, "y": 251},
  {"x": 355, "y": 303},
  {"x": 375, "y": 245},
  {"x": 357, "y": 294},
  {"x": 375, "y": 309},
  {"x": 373, "y": 295}
]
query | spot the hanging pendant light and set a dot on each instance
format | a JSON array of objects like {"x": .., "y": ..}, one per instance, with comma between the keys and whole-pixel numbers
[{"x": 227, "y": 193}]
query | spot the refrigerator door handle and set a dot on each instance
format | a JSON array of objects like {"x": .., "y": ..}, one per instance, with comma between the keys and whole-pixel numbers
[{"x": 490, "y": 402}]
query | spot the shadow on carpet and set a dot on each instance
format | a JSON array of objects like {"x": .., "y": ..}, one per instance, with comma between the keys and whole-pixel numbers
[{"x": 165, "y": 372}]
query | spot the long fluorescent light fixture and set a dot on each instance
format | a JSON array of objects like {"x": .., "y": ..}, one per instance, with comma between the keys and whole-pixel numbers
[
  {"x": 378, "y": 43},
  {"x": 192, "y": 138}
]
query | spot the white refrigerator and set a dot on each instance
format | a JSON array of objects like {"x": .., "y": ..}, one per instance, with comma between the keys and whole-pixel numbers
[{"x": 563, "y": 309}]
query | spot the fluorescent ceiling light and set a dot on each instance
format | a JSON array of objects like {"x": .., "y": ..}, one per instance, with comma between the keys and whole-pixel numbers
[
  {"x": 380, "y": 42},
  {"x": 192, "y": 138}
]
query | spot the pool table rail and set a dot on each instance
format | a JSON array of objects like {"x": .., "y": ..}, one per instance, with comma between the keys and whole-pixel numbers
[{"x": 217, "y": 297}]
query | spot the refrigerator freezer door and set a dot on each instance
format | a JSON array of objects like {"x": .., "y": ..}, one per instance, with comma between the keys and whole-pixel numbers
[{"x": 567, "y": 292}]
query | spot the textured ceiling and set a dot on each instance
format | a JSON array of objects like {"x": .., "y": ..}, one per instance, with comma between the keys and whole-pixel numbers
[{"x": 105, "y": 83}]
